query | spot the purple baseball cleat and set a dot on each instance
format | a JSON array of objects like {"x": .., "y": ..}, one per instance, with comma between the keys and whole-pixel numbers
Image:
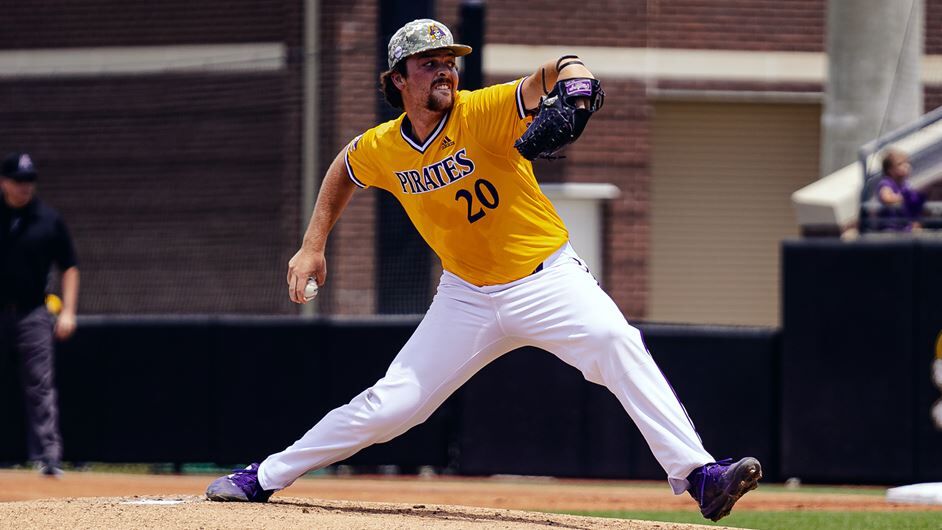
[
  {"x": 241, "y": 486},
  {"x": 716, "y": 487}
]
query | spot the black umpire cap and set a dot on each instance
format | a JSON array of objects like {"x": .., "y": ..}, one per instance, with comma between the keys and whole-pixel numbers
[{"x": 19, "y": 166}]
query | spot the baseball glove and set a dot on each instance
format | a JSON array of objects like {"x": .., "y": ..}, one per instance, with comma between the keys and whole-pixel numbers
[{"x": 558, "y": 121}]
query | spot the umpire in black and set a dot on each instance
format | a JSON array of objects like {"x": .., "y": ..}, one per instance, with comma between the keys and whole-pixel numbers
[{"x": 32, "y": 237}]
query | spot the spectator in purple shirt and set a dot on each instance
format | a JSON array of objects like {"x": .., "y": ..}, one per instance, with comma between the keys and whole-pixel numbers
[{"x": 900, "y": 204}]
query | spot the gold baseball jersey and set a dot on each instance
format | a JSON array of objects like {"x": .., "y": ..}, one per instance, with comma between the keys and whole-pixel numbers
[{"x": 466, "y": 189}]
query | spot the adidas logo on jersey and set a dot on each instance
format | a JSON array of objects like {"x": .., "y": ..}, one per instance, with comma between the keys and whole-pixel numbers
[{"x": 447, "y": 142}]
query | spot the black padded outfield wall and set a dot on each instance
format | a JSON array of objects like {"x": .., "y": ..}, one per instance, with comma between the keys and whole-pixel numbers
[
  {"x": 928, "y": 447},
  {"x": 360, "y": 352},
  {"x": 13, "y": 438},
  {"x": 235, "y": 389},
  {"x": 842, "y": 394},
  {"x": 223, "y": 390},
  {"x": 728, "y": 380},
  {"x": 859, "y": 322}
]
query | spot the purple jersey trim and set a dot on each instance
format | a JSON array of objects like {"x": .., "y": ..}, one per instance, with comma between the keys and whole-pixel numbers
[
  {"x": 346, "y": 161},
  {"x": 431, "y": 137},
  {"x": 521, "y": 110}
]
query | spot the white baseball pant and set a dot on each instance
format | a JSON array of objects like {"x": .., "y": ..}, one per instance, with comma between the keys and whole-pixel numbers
[{"x": 560, "y": 309}]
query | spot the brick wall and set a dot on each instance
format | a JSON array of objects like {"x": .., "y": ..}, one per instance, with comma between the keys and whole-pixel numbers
[
  {"x": 177, "y": 189},
  {"x": 65, "y": 23},
  {"x": 793, "y": 25},
  {"x": 615, "y": 149},
  {"x": 70, "y": 126},
  {"x": 933, "y": 100},
  {"x": 349, "y": 92},
  {"x": 932, "y": 97},
  {"x": 181, "y": 189},
  {"x": 933, "y": 27}
]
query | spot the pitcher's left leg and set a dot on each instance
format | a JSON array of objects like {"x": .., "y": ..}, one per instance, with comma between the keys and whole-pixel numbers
[{"x": 564, "y": 311}]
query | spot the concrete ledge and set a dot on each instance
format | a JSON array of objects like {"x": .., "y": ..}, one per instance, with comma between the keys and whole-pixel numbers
[
  {"x": 580, "y": 190},
  {"x": 142, "y": 60}
]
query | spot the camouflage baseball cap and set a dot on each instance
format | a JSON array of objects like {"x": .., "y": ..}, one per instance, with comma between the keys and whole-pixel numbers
[{"x": 421, "y": 35}]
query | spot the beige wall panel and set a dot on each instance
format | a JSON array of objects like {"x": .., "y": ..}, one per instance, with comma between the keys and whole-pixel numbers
[{"x": 722, "y": 177}]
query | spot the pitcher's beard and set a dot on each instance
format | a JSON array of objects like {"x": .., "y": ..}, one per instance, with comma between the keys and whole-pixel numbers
[{"x": 437, "y": 103}]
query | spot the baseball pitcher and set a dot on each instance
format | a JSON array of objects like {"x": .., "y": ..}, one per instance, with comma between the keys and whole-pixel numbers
[{"x": 460, "y": 164}]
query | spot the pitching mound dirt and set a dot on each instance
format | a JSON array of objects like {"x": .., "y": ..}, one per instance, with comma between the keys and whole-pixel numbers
[
  {"x": 196, "y": 512},
  {"x": 116, "y": 500}
]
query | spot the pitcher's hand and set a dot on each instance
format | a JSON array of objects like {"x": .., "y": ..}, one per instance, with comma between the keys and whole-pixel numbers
[{"x": 305, "y": 264}]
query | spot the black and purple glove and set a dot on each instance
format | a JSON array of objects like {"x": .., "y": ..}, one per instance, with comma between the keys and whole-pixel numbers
[{"x": 559, "y": 121}]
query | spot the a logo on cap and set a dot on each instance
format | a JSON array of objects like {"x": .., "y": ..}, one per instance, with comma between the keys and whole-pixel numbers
[
  {"x": 25, "y": 163},
  {"x": 435, "y": 32}
]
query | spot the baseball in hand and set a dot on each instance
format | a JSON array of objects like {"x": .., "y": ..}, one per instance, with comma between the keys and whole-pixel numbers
[{"x": 310, "y": 290}]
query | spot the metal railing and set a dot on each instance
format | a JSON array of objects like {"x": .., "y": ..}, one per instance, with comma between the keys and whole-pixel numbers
[
  {"x": 871, "y": 173},
  {"x": 874, "y": 146}
]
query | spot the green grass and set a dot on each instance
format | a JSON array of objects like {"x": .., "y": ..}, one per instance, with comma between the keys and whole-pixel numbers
[
  {"x": 810, "y": 520},
  {"x": 764, "y": 487},
  {"x": 878, "y": 491}
]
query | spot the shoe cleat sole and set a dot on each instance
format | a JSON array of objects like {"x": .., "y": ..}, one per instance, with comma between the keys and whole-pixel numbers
[
  {"x": 746, "y": 476},
  {"x": 223, "y": 490}
]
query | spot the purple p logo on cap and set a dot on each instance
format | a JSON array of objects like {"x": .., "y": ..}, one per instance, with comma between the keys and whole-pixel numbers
[
  {"x": 25, "y": 163},
  {"x": 18, "y": 166},
  {"x": 578, "y": 87}
]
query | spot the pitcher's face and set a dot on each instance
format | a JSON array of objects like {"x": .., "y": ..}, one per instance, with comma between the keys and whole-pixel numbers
[{"x": 432, "y": 81}]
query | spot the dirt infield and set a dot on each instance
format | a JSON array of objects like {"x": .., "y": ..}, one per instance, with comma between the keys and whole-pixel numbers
[
  {"x": 100, "y": 500},
  {"x": 194, "y": 512}
]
